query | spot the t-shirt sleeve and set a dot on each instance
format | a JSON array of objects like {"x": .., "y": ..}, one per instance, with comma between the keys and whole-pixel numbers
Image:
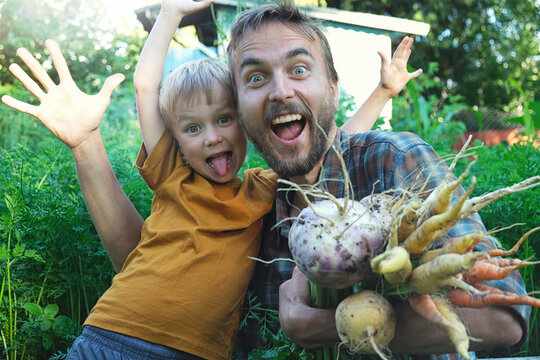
[
  {"x": 260, "y": 185},
  {"x": 157, "y": 166}
]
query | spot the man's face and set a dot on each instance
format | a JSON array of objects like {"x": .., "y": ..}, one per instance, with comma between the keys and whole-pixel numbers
[{"x": 284, "y": 95}]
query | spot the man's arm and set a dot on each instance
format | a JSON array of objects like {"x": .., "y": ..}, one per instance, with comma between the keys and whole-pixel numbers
[
  {"x": 311, "y": 327},
  {"x": 74, "y": 118},
  {"x": 394, "y": 77},
  {"x": 149, "y": 71}
]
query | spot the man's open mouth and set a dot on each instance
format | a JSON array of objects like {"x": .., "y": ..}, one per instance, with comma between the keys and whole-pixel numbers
[
  {"x": 288, "y": 127},
  {"x": 221, "y": 162}
]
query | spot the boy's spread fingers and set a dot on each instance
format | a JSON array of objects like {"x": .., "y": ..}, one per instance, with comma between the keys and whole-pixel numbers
[
  {"x": 59, "y": 61},
  {"x": 27, "y": 81},
  {"x": 19, "y": 105},
  {"x": 36, "y": 68}
]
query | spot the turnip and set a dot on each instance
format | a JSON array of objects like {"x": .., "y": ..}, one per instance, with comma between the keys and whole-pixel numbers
[
  {"x": 334, "y": 250},
  {"x": 366, "y": 323}
]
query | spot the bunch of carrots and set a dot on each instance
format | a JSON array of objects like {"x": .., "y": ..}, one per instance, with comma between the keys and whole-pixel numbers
[{"x": 437, "y": 280}]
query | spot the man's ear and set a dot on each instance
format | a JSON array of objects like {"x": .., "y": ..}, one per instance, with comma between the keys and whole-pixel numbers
[{"x": 334, "y": 88}]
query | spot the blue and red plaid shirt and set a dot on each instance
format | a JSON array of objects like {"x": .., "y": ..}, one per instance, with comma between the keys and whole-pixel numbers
[{"x": 376, "y": 161}]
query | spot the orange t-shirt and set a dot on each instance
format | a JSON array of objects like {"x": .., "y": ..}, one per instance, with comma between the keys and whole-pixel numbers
[{"x": 184, "y": 284}]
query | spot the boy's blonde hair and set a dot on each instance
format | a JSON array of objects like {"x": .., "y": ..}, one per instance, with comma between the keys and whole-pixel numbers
[{"x": 190, "y": 80}]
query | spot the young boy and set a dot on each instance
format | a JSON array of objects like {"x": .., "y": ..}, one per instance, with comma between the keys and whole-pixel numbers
[{"x": 180, "y": 291}]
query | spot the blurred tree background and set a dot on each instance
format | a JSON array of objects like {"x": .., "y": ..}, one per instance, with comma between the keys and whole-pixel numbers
[
  {"x": 96, "y": 43},
  {"x": 478, "y": 44}
]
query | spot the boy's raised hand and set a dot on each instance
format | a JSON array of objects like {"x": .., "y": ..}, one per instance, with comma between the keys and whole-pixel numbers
[
  {"x": 71, "y": 115},
  {"x": 185, "y": 7},
  {"x": 394, "y": 75}
]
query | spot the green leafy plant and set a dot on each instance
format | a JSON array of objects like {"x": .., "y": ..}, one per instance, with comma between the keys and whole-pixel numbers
[
  {"x": 531, "y": 110},
  {"x": 49, "y": 323},
  {"x": 430, "y": 118}
]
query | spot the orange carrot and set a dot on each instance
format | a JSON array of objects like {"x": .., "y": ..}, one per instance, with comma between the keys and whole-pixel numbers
[
  {"x": 491, "y": 296},
  {"x": 424, "y": 306},
  {"x": 493, "y": 269},
  {"x": 515, "y": 248}
]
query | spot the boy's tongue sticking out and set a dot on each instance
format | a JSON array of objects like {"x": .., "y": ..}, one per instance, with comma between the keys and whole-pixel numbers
[{"x": 220, "y": 163}]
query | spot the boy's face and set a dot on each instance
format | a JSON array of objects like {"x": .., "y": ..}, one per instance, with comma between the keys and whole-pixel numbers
[
  {"x": 210, "y": 136},
  {"x": 284, "y": 93}
]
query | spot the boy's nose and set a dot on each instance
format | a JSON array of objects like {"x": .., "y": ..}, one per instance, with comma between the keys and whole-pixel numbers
[
  {"x": 212, "y": 137},
  {"x": 281, "y": 89}
]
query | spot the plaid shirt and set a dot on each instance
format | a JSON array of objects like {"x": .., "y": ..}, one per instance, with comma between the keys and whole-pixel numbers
[{"x": 376, "y": 161}]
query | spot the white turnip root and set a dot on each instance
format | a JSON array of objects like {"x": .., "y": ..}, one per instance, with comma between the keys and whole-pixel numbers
[
  {"x": 334, "y": 250},
  {"x": 366, "y": 323}
]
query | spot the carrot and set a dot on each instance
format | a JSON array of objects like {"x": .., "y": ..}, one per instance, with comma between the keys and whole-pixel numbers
[
  {"x": 475, "y": 204},
  {"x": 436, "y": 226},
  {"x": 431, "y": 276},
  {"x": 503, "y": 262},
  {"x": 493, "y": 269},
  {"x": 457, "y": 332},
  {"x": 459, "y": 245},
  {"x": 408, "y": 220},
  {"x": 424, "y": 305},
  {"x": 390, "y": 260},
  {"x": 401, "y": 276},
  {"x": 515, "y": 248},
  {"x": 489, "y": 296},
  {"x": 440, "y": 198}
]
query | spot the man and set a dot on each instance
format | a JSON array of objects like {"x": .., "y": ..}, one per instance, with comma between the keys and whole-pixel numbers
[{"x": 286, "y": 87}]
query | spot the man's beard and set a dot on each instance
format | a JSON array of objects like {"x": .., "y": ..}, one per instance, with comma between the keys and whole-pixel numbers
[{"x": 290, "y": 165}]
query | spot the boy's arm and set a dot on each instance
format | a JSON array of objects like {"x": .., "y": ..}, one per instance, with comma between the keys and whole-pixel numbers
[
  {"x": 394, "y": 77},
  {"x": 149, "y": 71},
  {"x": 74, "y": 118}
]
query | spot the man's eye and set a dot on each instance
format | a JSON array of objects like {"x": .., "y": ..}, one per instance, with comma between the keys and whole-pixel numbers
[
  {"x": 192, "y": 129},
  {"x": 299, "y": 70},
  {"x": 224, "y": 119},
  {"x": 256, "y": 78}
]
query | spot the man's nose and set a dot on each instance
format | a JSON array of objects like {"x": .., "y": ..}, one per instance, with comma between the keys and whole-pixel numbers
[{"x": 282, "y": 88}]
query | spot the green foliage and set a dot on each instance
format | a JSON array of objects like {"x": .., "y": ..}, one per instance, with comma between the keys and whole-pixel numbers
[
  {"x": 477, "y": 43},
  {"x": 97, "y": 46},
  {"x": 430, "y": 118},
  {"x": 531, "y": 111},
  {"x": 277, "y": 343},
  {"x": 47, "y": 324},
  {"x": 50, "y": 254}
]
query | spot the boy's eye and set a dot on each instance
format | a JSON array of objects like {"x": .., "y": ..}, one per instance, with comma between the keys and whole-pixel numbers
[
  {"x": 299, "y": 70},
  {"x": 192, "y": 129},
  {"x": 224, "y": 119}
]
